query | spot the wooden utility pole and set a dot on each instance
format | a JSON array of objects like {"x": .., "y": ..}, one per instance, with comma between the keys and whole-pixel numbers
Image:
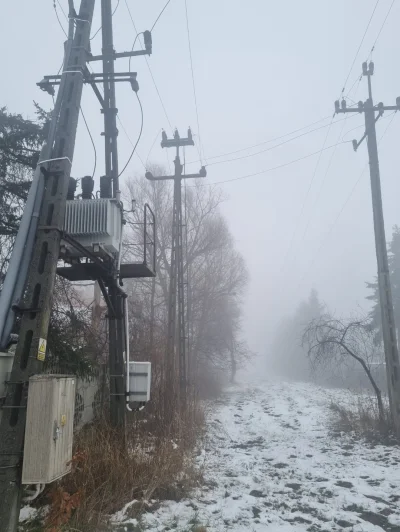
[
  {"x": 176, "y": 347},
  {"x": 372, "y": 114}
]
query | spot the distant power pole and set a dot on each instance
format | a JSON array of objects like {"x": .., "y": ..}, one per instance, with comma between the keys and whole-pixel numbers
[
  {"x": 385, "y": 293},
  {"x": 176, "y": 304}
]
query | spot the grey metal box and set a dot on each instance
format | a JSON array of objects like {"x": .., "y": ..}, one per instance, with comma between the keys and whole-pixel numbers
[
  {"x": 49, "y": 428},
  {"x": 139, "y": 381},
  {"x": 94, "y": 221}
]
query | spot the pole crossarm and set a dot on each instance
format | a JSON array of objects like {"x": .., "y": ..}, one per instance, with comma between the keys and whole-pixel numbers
[
  {"x": 148, "y": 49},
  {"x": 201, "y": 173}
]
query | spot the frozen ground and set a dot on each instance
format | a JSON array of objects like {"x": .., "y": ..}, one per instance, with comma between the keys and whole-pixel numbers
[{"x": 271, "y": 462}]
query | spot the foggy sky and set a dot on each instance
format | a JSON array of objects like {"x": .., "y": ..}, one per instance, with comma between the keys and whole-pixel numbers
[{"x": 262, "y": 69}]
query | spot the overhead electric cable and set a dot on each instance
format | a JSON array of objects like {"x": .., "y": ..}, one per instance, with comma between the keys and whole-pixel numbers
[
  {"x": 62, "y": 10},
  {"x": 322, "y": 183},
  {"x": 269, "y": 169},
  {"x": 138, "y": 139},
  {"x": 148, "y": 66},
  {"x": 381, "y": 28},
  {"x": 194, "y": 84},
  {"x": 324, "y": 242},
  {"x": 289, "y": 249},
  {"x": 58, "y": 18},
  {"x": 276, "y": 145},
  {"x": 93, "y": 144},
  {"x": 113, "y": 13},
  {"x": 360, "y": 45},
  {"x": 152, "y": 145},
  {"x": 159, "y": 16}
]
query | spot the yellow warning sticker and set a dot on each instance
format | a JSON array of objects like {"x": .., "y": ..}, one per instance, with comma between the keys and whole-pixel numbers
[
  {"x": 63, "y": 420},
  {"x": 42, "y": 349}
]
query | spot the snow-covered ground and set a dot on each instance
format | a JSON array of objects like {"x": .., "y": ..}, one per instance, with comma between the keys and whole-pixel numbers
[{"x": 272, "y": 462}]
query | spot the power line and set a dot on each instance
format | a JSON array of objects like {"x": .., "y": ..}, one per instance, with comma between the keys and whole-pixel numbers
[
  {"x": 138, "y": 139},
  {"x": 340, "y": 137},
  {"x": 324, "y": 242},
  {"x": 148, "y": 66},
  {"x": 93, "y": 144},
  {"x": 326, "y": 137},
  {"x": 58, "y": 18},
  {"x": 277, "y": 145},
  {"x": 359, "y": 47},
  {"x": 130, "y": 140},
  {"x": 319, "y": 158},
  {"x": 113, "y": 13},
  {"x": 193, "y": 81},
  {"x": 62, "y": 10},
  {"x": 322, "y": 183},
  {"x": 159, "y": 16},
  {"x": 133, "y": 47},
  {"x": 265, "y": 141},
  {"x": 381, "y": 28},
  {"x": 152, "y": 145},
  {"x": 269, "y": 169},
  {"x": 306, "y": 197}
]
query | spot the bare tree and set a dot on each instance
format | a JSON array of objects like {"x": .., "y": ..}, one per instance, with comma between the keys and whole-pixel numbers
[
  {"x": 215, "y": 271},
  {"x": 332, "y": 341}
]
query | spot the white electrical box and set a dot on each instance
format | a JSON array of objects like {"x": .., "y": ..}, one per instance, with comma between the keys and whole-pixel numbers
[
  {"x": 94, "y": 223},
  {"x": 139, "y": 382},
  {"x": 49, "y": 428}
]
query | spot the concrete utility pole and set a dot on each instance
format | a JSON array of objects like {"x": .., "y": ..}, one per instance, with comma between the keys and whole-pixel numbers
[
  {"x": 176, "y": 305},
  {"x": 385, "y": 293},
  {"x": 37, "y": 301},
  {"x": 109, "y": 109}
]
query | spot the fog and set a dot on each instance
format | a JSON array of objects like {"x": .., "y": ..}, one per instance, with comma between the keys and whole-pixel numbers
[{"x": 262, "y": 70}]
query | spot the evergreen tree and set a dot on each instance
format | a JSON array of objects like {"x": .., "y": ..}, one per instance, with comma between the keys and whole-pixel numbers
[
  {"x": 394, "y": 270},
  {"x": 70, "y": 338},
  {"x": 20, "y": 143},
  {"x": 289, "y": 358}
]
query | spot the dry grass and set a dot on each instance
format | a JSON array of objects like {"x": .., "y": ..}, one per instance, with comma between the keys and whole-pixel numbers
[
  {"x": 110, "y": 471},
  {"x": 361, "y": 419}
]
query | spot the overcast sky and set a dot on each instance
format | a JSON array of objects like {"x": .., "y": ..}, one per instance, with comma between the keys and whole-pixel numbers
[{"x": 262, "y": 69}]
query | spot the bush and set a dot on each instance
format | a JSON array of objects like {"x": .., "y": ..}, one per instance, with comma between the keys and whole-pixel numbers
[
  {"x": 362, "y": 420},
  {"x": 110, "y": 470}
]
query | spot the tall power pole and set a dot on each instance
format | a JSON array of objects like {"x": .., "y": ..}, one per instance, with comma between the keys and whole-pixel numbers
[
  {"x": 109, "y": 109},
  {"x": 372, "y": 114},
  {"x": 111, "y": 179},
  {"x": 37, "y": 301},
  {"x": 177, "y": 334}
]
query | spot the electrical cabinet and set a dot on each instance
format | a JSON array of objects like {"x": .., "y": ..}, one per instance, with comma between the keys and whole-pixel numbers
[
  {"x": 139, "y": 382},
  {"x": 49, "y": 428}
]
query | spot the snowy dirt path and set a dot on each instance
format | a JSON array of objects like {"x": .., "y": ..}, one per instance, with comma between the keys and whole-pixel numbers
[{"x": 272, "y": 462}]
